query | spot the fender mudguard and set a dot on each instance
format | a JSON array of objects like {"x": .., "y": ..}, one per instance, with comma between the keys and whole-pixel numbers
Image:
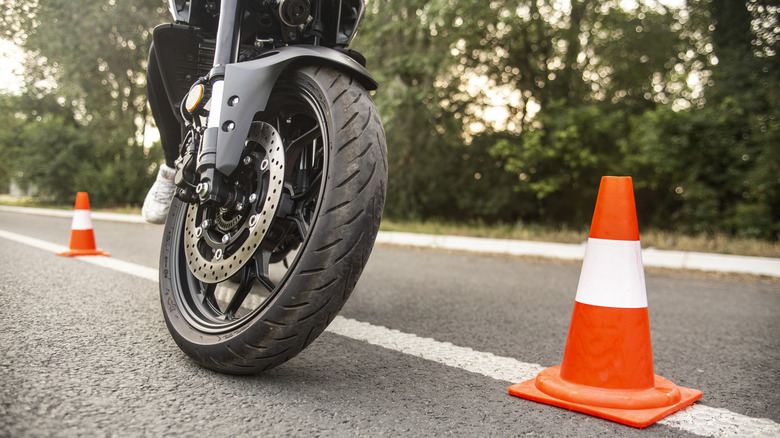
[{"x": 248, "y": 86}]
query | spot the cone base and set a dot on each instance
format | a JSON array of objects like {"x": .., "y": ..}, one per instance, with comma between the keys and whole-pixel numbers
[
  {"x": 83, "y": 252},
  {"x": 636, "y": 417}
]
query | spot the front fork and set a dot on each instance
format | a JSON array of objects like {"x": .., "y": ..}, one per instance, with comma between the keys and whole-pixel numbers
[
  {"x": 211, "y": 185},
  {"x": 239, "y": 91}
]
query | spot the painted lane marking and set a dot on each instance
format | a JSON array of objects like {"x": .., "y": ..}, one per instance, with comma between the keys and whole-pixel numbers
[
  {"x": 110, "y": 263},
  {"x": 697, "y": 419},
  {"x": 445, "y": 353},
  {"x": 651, "y": 257}
]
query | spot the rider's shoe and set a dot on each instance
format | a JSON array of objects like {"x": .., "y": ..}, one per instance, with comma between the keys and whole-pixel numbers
[{"x": 158, "y": 200}]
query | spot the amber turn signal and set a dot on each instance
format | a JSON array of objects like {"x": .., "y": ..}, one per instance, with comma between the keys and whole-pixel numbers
[{"x": 195, "y": 98}]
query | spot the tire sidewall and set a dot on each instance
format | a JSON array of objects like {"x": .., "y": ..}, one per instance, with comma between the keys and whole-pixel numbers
[{"x": 211, "y": 350}]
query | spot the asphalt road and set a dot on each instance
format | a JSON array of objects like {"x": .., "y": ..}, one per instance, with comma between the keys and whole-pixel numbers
[{"x": 84, "y": 350}]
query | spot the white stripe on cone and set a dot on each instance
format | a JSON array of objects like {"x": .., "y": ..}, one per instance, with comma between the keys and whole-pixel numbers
[
  {"x": 612, "y": 274},
  {"x": 81, "y": 220}
]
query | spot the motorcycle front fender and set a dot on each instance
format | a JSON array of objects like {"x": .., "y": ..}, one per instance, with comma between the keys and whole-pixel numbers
[{"x": 248, "y": 85}]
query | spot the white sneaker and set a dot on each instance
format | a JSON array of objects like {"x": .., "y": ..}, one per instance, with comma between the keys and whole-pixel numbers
[{"x": 158, "y": 200}]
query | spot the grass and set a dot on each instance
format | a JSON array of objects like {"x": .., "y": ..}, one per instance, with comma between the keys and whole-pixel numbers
[{"x": 659, "y": 239}]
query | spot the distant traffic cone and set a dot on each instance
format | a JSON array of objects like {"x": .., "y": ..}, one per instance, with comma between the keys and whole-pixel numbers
[
  {"x": 607, "y": 368},
  {"x": 82, "y": 237}
]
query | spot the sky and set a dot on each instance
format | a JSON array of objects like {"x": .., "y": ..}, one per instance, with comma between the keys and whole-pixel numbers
[{"x": 10, "y": 67}]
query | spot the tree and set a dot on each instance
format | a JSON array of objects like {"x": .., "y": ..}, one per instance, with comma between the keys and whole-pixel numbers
[
  {"x": 717, "y": 164},
  {"x": 90, "y": 58},
  {"x": 567, "y": 77},
  {"x": 499, "y": 111},
  {"x": 544, "y": 97},
  {"x": 421, "y": 125},
  {"x": 10, "y": 128}
]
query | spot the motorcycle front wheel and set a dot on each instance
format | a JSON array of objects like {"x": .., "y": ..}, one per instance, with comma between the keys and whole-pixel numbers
[{"x": 244, "y": 290}]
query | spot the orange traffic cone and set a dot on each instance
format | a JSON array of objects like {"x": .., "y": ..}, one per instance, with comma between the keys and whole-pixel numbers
[
  {"x": 82, "y": 237},
  {"x": 607, "y": 368}
]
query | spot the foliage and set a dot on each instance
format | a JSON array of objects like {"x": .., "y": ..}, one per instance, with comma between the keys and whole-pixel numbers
[
  {"x": 10, "y": 127},
  {"x": 52, "y": 153},
  {"x": 82, "y": 116},
  {"x": 710, "y": 169},
  {"x": 561, "y": 162},
  {"x": 544, "y": 97},
  {"x": 408, "y": 61},
  {"x": 501, "y": 111}
]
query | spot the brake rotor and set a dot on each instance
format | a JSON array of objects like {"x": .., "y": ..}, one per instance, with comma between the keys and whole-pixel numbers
[{"x": 219, "y": 249}]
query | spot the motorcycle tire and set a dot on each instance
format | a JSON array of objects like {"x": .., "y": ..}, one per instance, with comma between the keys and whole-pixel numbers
[{"x": 329, "y": 226}]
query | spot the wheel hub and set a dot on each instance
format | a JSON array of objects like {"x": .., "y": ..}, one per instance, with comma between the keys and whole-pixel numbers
[{"x": 218, "y": 243}]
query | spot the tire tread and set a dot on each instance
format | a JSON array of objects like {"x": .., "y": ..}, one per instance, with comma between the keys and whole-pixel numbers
[{"x": 339, "y": 242}]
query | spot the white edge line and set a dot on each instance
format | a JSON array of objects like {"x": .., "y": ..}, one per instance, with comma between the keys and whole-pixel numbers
[
  {"x": 486, "y": 364},
  {"x": 565, "y": 251},
  {"x": 106, "y": 262},
  {"x": 698, "y": 419},
  {"x": 31, "y": 241},
  {"x": 576, "y": 251},
  {"x": 112, "y": 217},
  {"x": 718, "y": 422}
]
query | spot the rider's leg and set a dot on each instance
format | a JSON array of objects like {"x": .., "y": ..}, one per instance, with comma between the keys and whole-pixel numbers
[{"x": 158, "y": 200}]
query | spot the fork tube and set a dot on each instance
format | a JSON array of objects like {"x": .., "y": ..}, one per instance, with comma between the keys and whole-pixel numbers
[
  {"x": 225, "y": 52},
  {"x": 227, "y": 32}
]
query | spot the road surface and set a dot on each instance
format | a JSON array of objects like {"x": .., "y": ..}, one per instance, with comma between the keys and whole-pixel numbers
[{"x": 426, "y": 346}]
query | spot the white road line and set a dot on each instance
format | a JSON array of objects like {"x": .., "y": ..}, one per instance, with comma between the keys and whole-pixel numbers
[
  {"x": 718, "y": 422},
  {"x": 31, "y": 241},
  {"x": 106, "y": 262},
  {"x": 651, "y": 257},
  {"x": 97, "y": 215},
  {"x": 445, "y": 353},
  {"x": 697, "y": 419}
]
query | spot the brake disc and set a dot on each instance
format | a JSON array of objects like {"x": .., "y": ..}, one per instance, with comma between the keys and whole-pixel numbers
[{"x": 215, "y": 253}]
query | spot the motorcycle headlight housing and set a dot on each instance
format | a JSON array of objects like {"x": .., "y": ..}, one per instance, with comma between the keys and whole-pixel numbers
[{"x": 294, "y": 12}]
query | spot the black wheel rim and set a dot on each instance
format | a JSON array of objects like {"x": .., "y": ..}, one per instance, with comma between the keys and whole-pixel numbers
[{"x": 220, "y": 307}]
